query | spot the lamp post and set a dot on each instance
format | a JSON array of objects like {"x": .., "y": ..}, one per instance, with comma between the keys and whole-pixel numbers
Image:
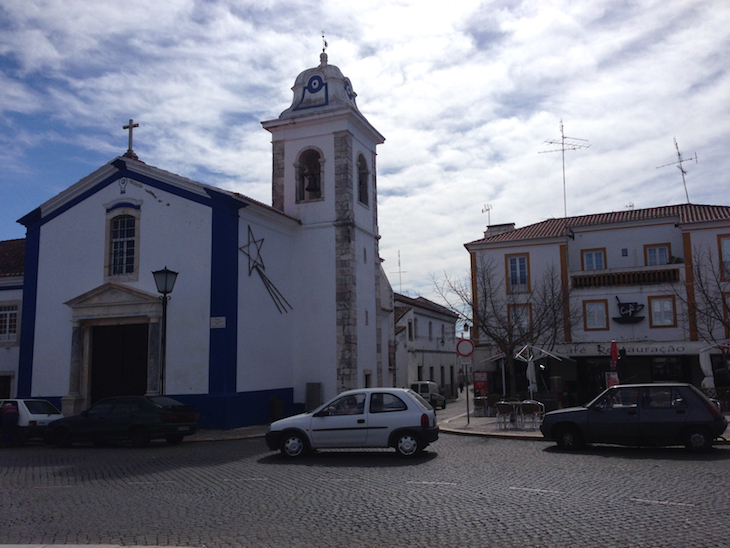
[{"x": 165, "y": 281}]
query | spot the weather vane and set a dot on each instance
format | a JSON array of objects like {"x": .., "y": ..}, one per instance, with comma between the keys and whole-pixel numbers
[{"x": 324, "y": 43}]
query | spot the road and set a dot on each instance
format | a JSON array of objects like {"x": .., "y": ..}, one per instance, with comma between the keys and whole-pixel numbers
[{"x": 464, "y": 491}]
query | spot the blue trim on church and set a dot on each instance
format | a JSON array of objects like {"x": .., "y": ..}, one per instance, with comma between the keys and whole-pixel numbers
[
  {"x": 33, "y": 223},
  {"x": 223, "y": 357}
]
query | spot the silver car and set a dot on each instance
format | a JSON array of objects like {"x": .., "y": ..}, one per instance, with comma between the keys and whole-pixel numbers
[
  {"x": 639, "y": 414},
  {"x": 369, "y": 417}
]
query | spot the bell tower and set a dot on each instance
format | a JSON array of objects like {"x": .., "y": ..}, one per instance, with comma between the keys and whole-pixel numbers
[{"x": 324, "y": 175}]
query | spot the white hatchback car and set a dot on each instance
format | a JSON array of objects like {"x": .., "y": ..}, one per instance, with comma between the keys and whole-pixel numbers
[
  {"x": 368, "y": 417},
  {"x": 34, "y": 415}
]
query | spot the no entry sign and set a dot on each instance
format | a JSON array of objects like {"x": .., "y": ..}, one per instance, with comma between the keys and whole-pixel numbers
[{"x": 464, "y": 348}]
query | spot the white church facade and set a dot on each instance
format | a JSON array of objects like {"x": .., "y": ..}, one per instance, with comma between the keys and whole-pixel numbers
[{"x": 274, "y": 307}]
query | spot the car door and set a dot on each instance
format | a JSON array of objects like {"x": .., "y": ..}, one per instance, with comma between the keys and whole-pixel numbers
[
  {"x": 615, "y": 417},
  {"x": 341, "y": 423},
  {"x": 386, "y": 412},
  {"x": 122, "y": 417},
  {"x": 663, "y": 414},
  {"x": 94, "y": 422}
]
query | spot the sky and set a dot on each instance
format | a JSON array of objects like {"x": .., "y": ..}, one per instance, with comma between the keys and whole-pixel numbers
[{"x": 470, "y": 96}]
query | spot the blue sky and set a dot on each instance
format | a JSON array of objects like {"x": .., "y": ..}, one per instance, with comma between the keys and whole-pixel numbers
[{"x": 466, "y": 94}]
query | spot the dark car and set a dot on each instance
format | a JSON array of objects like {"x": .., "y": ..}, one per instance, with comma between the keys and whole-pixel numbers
[
  {"x": 642, "y": 415},
  {"x": 137, "y": 419}
]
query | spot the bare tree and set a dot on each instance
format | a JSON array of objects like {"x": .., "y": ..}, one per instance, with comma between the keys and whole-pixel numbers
[
  {"x": 706, "y": 296},
  {"x": 507, "y": 319}
]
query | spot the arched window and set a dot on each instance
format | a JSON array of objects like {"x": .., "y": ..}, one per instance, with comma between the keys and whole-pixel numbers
[
  {"x": 123, "y": 232},
  {"x": 309, "y": 176},
  {"x": 362, "y": 180}
]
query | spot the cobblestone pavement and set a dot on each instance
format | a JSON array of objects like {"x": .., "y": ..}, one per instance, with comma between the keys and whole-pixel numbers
[{"x": 464, "y": 491}]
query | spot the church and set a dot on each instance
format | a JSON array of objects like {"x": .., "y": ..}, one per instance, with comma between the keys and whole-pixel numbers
[{"x": 273, "y": 309}]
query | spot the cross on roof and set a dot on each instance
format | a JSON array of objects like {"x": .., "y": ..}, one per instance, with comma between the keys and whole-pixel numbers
[{"x": 130, "y": 153}]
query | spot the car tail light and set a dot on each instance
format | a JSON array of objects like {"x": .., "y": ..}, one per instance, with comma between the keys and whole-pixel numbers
[
  {"x": 425, "y": 421},
  {"x": 712, "y": 408}
]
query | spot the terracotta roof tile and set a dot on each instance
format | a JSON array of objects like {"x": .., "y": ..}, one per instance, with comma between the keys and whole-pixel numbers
[
  {"x": 552, "y": 228},
  {"x": 12, "y": 257}
]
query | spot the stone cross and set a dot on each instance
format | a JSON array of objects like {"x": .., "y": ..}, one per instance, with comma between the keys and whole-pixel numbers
[{"x": 130, "y": 127}]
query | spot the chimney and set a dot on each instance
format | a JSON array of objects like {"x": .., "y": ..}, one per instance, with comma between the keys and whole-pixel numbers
[{"x": 494, "y": 230}]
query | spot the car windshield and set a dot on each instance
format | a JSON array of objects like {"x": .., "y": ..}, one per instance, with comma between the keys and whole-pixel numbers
[
  {"x": 41, "y": 407},
  {"x": 164, "y": 401}
]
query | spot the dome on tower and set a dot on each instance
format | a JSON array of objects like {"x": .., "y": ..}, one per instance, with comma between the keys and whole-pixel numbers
[{"x": 320, "y": 89}]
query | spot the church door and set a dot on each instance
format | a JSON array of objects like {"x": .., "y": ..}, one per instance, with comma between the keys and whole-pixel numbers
[{"x": 118, "y": 361}]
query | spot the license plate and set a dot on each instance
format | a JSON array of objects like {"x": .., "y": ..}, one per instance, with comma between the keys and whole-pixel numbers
[{"x": 183, "y": 428}]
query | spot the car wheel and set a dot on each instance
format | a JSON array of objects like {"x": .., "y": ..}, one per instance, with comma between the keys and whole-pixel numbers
[
  {"x": 408, "y": 444},
  {"x": 293, "y": 445},
  {"x": 568, "y": 437},
  {"x": 174, "y": 439},
  {"x": 62, "y": 438},
  {"x": 444, "y": 405},
  {"x": 698, "y": 439},
  {"x": 139, "y": 436}
]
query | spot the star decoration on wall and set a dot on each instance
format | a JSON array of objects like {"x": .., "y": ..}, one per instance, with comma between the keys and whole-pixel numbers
[{"x": 252, "y": 250}]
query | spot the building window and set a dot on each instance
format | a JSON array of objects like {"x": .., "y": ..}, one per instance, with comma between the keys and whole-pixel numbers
[
  {"x": 430, "y": 331},
  {"x": 309, "y": 176},
  {"x": 518, "y": 267},
  {"x": 410, "y": 330},
  {"x": 655, "y": 255},
  {"x": 662, "y": 312},
  {"x": 9, "y": 323},
  {"x": 362, "y": 180},
  {"x": 520, "y": 320},
  {"x": 595, "y": 317},
  {"x": 723, "y": 241},
  {"x": 122, "y": 241},
  {"x": 593, "y": 259},
  {"x": 415, "y": 328}
]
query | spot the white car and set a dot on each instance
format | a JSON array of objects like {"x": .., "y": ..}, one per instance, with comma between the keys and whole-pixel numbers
[
  {"x": 369, "y": 417},
  {"x": 34, "y": 415}
]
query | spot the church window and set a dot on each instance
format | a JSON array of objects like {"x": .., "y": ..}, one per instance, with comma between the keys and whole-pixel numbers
[
  {"x": 122, "y": 245},
  {"x": 309, "y": 176},
  {"x": 122, "y": 241},
  {"x": 362, "y": 180}
]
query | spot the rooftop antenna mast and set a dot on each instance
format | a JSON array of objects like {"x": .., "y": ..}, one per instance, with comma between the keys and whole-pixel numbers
[
  {"x": 565, "y": 143},
  {"x": 487, "y": 209},
  {"x": 400, "y": 272},
  {"x": 681, "y": 169}
]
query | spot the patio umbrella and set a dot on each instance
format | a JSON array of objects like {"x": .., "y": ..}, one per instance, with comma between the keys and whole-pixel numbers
[
  {"x": 614, "y": 355},
  {"x": 706, "y": 366}
]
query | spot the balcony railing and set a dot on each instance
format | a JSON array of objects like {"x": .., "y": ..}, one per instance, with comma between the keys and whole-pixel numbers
[{"x": 631, "y": 277}]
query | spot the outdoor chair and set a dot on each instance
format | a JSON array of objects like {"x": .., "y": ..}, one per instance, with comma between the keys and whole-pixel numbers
[
  {"x": 505, "y": 414},
  {"x": 532, "y": 412}
]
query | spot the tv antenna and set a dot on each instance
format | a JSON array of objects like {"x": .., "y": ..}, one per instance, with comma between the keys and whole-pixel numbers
[
  {"x": 486, "y": 209},
  {"x": 400, "y": 272},
  {"x": 681, "y": 169},
  {"x": 565, "y": 143}
]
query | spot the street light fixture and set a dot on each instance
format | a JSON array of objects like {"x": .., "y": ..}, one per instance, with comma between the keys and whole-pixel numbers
[{"x": 165, "y": 281}]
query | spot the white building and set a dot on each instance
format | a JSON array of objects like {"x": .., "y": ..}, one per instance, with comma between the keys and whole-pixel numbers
[
  {"x": 274, "y": 308},
  {"x": 425, "y": 344},
  {"x": 633, "y": 277}
]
